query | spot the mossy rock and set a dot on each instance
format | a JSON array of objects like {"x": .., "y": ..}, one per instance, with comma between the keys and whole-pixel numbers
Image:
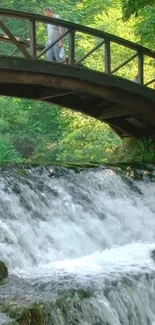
[
  {"x": 3, "y": 272},
  {"x": 32, "y": 316}
]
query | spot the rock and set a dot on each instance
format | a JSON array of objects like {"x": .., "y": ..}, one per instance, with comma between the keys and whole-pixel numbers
[
  {"x": 3, "y": 272},
  {"x": 153, "y": 254}
]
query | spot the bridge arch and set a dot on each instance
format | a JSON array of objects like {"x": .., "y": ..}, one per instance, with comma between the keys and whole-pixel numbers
[{"x": 126, "y": 106}]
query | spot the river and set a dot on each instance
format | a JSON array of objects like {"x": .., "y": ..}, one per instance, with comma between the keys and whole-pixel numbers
[{"x": 79, "y": 244}]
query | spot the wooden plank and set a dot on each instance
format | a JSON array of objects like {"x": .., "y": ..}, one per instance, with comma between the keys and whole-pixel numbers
[
  {"x": 14, "y": 52},
  {"x": 77, "y": 27},
  {"x": 116, "y": 110},
  {"x": 32, "y": 28},
  {"x": 26, "y": 42},
  {"x": 14, "y": 40},
  {"x": 50, "y": 96},
  {"x": 107, "y": 56},
  {"x": 150, "y": 82},
  {"x": 125, "y": 127},
  {"x": 141, "y": 68},
  {"x": 71, "y": 56},
  {"x": 78, "y": 104},
  {"x": 79, "y": 73}
]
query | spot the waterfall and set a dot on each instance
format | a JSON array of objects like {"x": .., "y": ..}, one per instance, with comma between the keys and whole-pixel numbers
[{"x": 85, "y": 239}]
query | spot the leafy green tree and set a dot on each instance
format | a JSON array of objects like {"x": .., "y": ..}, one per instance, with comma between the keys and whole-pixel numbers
[
  {"x": 134, "y": 7},
  {"x": 144, "y": 13}
]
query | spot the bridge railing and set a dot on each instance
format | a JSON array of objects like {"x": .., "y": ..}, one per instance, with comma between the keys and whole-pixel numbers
[{"x": 29, "y": 48}]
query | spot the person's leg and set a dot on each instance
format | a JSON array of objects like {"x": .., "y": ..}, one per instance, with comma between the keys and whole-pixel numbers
[
  {"x": 56, "y": 52},
  {"x": 49, "y": 53}
]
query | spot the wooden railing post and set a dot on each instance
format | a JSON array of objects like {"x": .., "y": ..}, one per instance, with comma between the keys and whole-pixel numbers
[
  {"x": 107, "y": 56},
  {"x": 71, "y": 57},
  {"x": 32, "y": 29},
  {"x": 141, "y": 67}
]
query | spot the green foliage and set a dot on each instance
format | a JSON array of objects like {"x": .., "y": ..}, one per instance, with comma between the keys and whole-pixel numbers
[
  {"x": 144, "y": 13},
  {"x": 93, "y": 7},
  {"x": 8, "y": 152},
  {"x": 130, "y": 7},
  {"x": 88, "y": 139},
  {"x": 68, "y": 10},
  {"x": 132, "y": 150},
  {"x": 145, "y": 26}
]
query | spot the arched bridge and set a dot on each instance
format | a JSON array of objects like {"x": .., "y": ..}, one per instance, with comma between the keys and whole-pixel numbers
[{"x": 106, "y": 91}]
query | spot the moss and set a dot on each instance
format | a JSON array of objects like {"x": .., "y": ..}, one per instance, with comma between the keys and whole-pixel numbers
[
  {"x": 71, "y": 301},
  {"x": 45, "y": 314},
  {"x": 12, "y": 310},
  {"x": 80, "y": 294},
  {"x": 83, "y": 294},
  {"x": 32, "y": 316},
  {"x": 76, "y": 295},
  {"x": 21, "y": 172},
  {"x": 25, "y": 315},
  {"x": 3, "y": 272}
]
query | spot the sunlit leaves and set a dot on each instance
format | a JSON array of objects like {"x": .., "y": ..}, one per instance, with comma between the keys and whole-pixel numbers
[
  {"x": 92, "y": 7},
  {"x": 88, "y": 139}
]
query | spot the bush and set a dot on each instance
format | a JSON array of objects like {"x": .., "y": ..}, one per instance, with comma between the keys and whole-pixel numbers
[{"x": 8, "y": 152}]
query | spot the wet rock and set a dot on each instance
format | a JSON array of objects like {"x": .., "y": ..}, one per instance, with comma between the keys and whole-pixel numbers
[
  {"x": 16, "y": 188},
  {"x": 3, "y": 272},
  {"x": 25, "y": 203},
  {"x": 153, "y": 254}
]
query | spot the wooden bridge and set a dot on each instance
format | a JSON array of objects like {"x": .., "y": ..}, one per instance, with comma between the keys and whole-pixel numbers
[{"x": 106, "y": 94}]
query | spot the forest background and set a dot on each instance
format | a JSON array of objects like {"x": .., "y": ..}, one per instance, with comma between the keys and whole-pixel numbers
[{"x": 39, "y": 133}]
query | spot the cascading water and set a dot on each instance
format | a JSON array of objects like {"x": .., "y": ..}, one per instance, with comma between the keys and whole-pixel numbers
[{"x": 81, "y": 245}]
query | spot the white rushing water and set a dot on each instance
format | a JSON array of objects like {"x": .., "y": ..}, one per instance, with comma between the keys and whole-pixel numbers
[{"x": 96, "y": 228}]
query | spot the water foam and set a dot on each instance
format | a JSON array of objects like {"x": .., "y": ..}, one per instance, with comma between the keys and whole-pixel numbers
[{"x": 92, "y": 229}]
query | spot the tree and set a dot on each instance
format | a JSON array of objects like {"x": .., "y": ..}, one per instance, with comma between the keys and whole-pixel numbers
[
  {"x": 134, "y": 7},
  {"x": 144, "y": 13}
]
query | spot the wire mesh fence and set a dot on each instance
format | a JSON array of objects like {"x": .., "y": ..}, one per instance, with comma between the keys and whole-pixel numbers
[{"x": 27, "y": 148}]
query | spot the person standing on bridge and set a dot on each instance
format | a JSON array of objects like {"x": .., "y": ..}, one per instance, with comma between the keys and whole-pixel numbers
[{"x": 56, "y": 52}]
